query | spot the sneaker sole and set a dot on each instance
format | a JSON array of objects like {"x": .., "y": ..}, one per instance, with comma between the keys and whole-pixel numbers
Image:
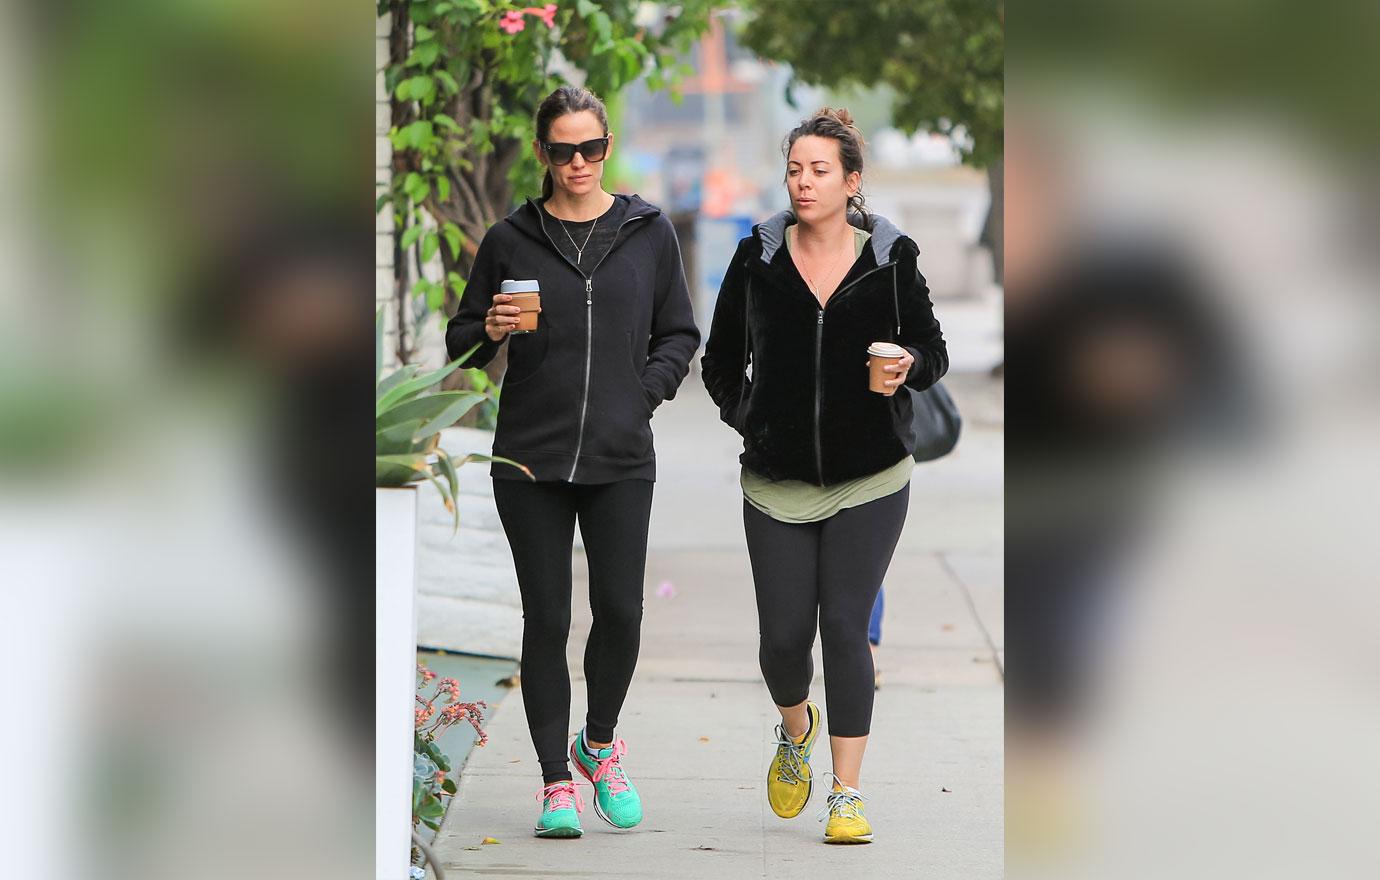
[
  {"x": 557, "y": 833},
  {"x": 598, "y": 811},
  {"x": 866, "y": 838}
]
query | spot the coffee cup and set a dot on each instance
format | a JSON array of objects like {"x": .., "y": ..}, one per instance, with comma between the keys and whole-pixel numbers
[
  {"x": 526, "y": 296},
  {"x": 880, "y": 356}
]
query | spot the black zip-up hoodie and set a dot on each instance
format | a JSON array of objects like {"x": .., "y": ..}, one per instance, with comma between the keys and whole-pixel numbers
[
  {"x": 806, "y": 413},
  {"x": 613, "y": 343}
]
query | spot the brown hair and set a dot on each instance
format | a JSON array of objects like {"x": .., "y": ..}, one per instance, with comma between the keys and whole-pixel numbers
[
  {"x": 566, "y": 99},
  {"x": 838, "y": 125}
]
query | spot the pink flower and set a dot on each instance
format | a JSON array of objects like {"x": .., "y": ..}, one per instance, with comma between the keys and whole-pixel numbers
[
  {"x": 512, "y": 22},
  {"x": 546, "y": 13}
]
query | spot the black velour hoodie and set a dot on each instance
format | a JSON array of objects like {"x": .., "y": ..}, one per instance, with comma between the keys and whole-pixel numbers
[
  {"x": 613, "y": 342},
  {"x": 806, "y": 413}
]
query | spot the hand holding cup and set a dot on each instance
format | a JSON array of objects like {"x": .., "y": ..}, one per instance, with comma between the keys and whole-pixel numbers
[
  {"x": 501, "y": 319},
  {"x": 515, "y": 309},
  {"x": 888, "y": 367}
]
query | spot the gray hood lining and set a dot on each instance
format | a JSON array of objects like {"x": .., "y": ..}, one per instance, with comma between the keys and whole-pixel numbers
[{"x": 772, "y": 233}]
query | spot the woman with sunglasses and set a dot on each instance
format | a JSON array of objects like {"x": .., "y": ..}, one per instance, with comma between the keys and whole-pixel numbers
[
  {"x": 615, "y": 336},
  {"x": 826, "y": 461}
]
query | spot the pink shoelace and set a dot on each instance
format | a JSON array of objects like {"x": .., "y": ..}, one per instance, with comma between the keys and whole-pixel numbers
[
  {"x": 610, "y": 767},
  {"x": 561, "y": 795}
]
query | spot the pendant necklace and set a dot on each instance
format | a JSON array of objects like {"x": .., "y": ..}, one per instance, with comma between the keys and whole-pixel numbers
[{"x": 579, "y": 248}]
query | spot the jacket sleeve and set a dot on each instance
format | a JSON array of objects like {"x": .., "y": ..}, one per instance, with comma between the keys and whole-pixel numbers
[
  {"x": 726, "y": 353},
  {"x": 921, "y": 335},
  {"x": 466, "y": 328},
  {"x": 674, "y": 337}
]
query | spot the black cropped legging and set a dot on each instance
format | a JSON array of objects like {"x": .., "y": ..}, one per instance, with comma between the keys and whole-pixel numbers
[
  {"x": 827, "y": 571},
  {"x": 539, "y": 519}
]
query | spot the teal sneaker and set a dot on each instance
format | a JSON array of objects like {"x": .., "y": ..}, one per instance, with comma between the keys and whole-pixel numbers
[
  {"x": 615, "y": 799},
  {"x": 561, "y": 806}
]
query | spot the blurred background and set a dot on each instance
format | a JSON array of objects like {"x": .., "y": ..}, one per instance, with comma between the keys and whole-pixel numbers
[{"x": 1190, "y": 483}]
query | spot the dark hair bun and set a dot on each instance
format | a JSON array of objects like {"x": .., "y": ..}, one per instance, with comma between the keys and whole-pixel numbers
[{"x": 842, "y": 117}]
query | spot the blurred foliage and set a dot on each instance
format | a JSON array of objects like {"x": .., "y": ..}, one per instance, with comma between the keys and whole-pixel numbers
[
  {"x": 942, "y": 59},
  {"x": 465, "y": 78}
]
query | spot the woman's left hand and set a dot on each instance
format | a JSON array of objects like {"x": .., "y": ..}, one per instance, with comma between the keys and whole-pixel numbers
[{"x": 902, "y": 369}]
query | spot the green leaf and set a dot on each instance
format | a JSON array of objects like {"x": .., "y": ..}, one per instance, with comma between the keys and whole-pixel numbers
[
  {"x": 423, "y": 33},
  {"x": 474, "y": 456},
  {"x": 424, "y": 408},
  {"x": 446, "y": 466},
  {"x": 381, "y": 201},
  {"x": 454, "y": 237},
  {"x": 431, "y": 808},
  {"x": 436, "y": 298},
  {"x": 421, "y": 135},
  {"x": 411, "y": 387},
  {"x": 449, "y": 786},
  {"x": 450, "y": 84},
  {"x": 450, "y": 414},
  {"x": 585, "y": 8},
  {"x": 431, "y": 243},
  {"x": 416, "y": 187},
  {"x": 399, "y": 469},
  {"x": 443, "y": 188},
  {"x": 397, "y": 377},
  {"x": 422, "y": 88},
  {"x": 451, "y": 506},
  {"x": 409, "y": 238},
  {"x": 441, "y": 119},
  {"x": 423, "y": 55},
  {"x": 434, "y": 752},
  {"x": 396, "y": 439},
  {"x": 457, "y": 283}
]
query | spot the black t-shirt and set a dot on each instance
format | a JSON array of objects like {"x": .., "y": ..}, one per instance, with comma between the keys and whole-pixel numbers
[{"x": 585, "y": 243}]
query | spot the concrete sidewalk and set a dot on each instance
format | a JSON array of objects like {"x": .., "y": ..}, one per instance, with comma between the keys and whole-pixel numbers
[{"x": 698, "y": 718}]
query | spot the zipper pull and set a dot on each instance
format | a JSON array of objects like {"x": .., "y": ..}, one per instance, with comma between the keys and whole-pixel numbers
[
  {"x": 821, "y": 316},
  {"x": 589, "y": 291}
]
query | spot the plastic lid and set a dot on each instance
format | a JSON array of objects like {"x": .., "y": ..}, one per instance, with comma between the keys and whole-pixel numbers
[
  {"x": 886, "y": 349},
  {"x": 527, "y": 286}
]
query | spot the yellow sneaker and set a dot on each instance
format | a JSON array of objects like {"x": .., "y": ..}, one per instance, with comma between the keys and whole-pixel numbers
[
  {"x": 846, "y": 824},
  {"x": 789, "y": 778}
]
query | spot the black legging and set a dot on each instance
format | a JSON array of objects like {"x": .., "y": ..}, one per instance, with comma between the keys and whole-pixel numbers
[
  {"x": 539, "y": 519},
  {"x": 828, "y": 570}
]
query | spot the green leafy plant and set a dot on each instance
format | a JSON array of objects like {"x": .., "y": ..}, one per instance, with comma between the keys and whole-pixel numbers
[
  {"x": 409, "y": 418},
  {"x": 465, "y": 78},
  {"x": 430, "y": 766}
]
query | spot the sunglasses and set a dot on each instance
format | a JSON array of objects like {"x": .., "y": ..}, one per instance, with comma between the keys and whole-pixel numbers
[{"x": 562, "y": 154}]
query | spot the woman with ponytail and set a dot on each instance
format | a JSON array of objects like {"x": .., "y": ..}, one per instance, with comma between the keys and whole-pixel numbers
[
  {"x": 614, "y": 339},
  {"x": 826, "y": 461}
]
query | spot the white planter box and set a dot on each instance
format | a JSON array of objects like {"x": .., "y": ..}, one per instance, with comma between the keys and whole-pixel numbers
[
  {"x": 395, "y": 660},
  {"x": 467, "y": 590}
]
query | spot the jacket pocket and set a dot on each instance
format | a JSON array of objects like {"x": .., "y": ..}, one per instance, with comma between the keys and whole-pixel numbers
[{"x": 526, "y": 355}]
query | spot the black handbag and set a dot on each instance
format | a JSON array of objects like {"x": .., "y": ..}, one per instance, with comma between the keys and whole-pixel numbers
[
  {"x": 934, "y": 418},
  {"x": 935, "y": 421}
]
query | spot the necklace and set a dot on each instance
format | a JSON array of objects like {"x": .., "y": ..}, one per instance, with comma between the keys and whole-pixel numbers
[
  {"x": 579, "y": 248},
  {"x": 814, "y": 288}
]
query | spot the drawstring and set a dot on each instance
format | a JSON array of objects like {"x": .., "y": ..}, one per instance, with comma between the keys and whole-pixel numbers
[
  {"x": 742, "y": 387},
  {"x": 896, "y": 301}
]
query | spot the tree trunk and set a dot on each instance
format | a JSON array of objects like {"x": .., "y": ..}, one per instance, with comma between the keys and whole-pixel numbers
[{"x": 398, "y": 39}]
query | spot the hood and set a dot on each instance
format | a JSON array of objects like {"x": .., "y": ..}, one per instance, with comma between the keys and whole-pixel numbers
[{"x": 772, "y": 233}]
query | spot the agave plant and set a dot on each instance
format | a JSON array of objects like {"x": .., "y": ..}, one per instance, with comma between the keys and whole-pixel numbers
[{"x": 409, "y": 419}]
